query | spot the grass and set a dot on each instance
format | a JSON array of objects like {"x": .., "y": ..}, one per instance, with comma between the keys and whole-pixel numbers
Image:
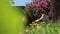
[{"x": 43, "y": 28}]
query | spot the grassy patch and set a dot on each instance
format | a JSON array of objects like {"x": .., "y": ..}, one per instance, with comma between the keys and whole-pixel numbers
[{"x": 43, "y": 28}]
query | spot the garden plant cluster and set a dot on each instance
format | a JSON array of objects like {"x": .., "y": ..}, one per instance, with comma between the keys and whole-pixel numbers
[{"x": 33, "y": 9}]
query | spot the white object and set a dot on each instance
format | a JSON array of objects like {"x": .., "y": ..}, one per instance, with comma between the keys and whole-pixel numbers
[{"x": 40, "y": 18}]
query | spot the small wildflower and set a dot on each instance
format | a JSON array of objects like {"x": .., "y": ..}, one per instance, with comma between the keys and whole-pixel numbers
[
  {"x": 33, "y": 22},
  {"x": 31, "y": 25},
  {"x": 27, "y": 30}
]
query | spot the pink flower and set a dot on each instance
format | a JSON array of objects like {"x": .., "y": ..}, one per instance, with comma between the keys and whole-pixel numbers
[{"x": 36, "y": 4}]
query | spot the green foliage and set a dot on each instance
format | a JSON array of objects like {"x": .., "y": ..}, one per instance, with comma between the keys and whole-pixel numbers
[
  {"x": 11, "y": 22},
  {"x": 43, "y": 28}
]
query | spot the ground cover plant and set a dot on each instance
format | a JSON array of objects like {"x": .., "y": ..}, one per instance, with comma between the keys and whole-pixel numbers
[{"x": 43, "y": 28}]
